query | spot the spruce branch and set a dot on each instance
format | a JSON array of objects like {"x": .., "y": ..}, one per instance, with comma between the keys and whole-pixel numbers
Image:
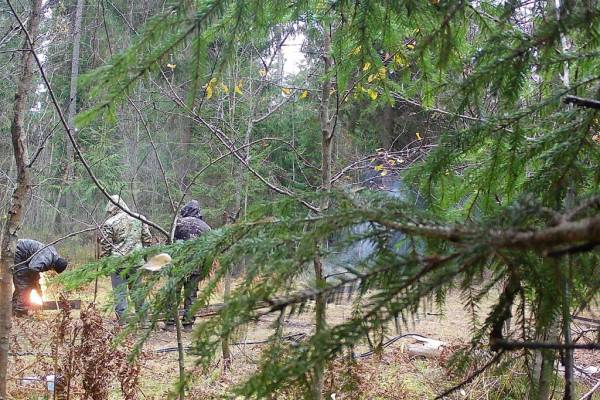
[{"x": 585, "y": 230}]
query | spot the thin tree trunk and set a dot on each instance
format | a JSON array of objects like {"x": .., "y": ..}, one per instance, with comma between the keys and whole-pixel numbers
[
  {"x": 543, "y": 370},
  {"x": 225, "y": 342},
  {"x": 326, "y": 149},
  {"x": 320, "y": 325},
  {"x": 72, "y": 110},
  {"x": 387, "y": 133},
  {"x": 226, "y": 351},
  {"x": 543, "y": 362},
  {"x": 19, "y": 197},
  {"x": 241, "y": 184},
  {"x": 565, "y": 275},
  {"x": 566, "y": 328},
  {"x": 180, "y": 351},
  {"x": 61, "y": 201},
  {"x": 546, "y": 374},
  {"x": 186, "y": 163}
]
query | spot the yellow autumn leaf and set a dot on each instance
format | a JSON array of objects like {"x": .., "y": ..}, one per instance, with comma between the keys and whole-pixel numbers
[
  {"x": 410, "y": 46},
  {"x": 399, "y": 60},
  {"x": 371, "y": 78},
  {"x": 379, "y": 167},
  {"x": 384, "y": 172},
  {"x": 238, "y": 88},
  {"x": 392, "y": 162},
  {"x": 418, "y": 135},
  {"x": 262, "y": 72},
  {"x": 382, "y": 72},
  {"x": 286, "y": 91},
  {"x": 366, "y": 66},
  {"x": 304, "y": 94},
  {"x": 372, "y": 94},
  {"x": 355, "y": 51},
  {"x": 224, "y": 88},
  {"x": 212, "y": 81},
  {"x": 209, "y": 91},
  {"x": 171, "y": 66}
]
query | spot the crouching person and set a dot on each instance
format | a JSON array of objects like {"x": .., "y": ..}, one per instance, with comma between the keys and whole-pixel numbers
[
  {"x": 121, "y": 235},
  {"x": 31, "y": 258}
]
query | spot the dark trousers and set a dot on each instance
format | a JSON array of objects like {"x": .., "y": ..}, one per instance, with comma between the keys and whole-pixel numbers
[
  {"x": 190, "y": 294},
  {"x": 123, "y": 284},
  {"x": 24, "y": 284}
]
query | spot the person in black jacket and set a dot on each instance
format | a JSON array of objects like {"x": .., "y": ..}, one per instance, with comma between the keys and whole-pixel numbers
[
  {"x": 190, "y": 225},
  {"x": 31, "y": 258}
]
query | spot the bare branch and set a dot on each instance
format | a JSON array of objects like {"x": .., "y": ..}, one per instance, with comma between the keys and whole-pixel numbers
[
  {"x": 228, "y": 143},
  {"x": 274, "y": 109},
  {"x": 588, "y": 395},
  {"x": 471, "y": 377},
  {"x": 160, "y": 164},
  {"x": 74, "y": 143}
]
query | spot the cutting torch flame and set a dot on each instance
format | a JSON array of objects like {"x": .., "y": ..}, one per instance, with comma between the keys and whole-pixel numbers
[{"x": 35, "y": 298}]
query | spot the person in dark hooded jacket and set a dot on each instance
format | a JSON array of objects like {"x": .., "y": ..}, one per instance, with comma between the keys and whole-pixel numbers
[
  {"x": 190, "y": 225},
  {"x": 31, "y": 258}
]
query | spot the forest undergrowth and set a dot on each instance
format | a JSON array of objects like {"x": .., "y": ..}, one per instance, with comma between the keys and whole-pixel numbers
[{"x": 85, "y": 349}]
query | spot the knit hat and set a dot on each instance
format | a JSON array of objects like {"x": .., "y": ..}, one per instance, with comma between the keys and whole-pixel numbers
[{"x": 60, "y": 264}]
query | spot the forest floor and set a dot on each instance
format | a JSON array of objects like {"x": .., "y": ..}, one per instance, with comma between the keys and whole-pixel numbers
[{"x": 394, "y": 375}]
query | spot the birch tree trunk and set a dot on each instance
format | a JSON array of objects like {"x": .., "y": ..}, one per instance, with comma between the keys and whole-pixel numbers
[{"x": 19, "y": 197}]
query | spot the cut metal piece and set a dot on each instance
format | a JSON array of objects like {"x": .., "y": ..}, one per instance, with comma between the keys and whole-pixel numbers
[{"x": 57, "y": 305}]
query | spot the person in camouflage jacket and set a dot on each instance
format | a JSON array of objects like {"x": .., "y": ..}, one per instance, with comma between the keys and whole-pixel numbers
[
  {"x": 190, "y": 225},
  {"x": 31, "y": 258},
  {"x": 121, "y": 235}
]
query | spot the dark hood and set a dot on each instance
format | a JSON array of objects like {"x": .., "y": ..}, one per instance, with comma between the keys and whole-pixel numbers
[{"x": 191, "y": 209}]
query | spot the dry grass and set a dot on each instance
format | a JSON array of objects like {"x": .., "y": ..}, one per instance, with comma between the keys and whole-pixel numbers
[{"x": 392, "y": 376}]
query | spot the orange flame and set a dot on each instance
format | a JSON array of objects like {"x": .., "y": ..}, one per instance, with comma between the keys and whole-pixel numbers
[{"x": 35, "y": 298}]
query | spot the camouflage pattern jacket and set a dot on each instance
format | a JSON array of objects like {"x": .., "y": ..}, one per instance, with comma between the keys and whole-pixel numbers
[
  {"x": 122, "y": 234},
  {"x": 190, "y": 223}
]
